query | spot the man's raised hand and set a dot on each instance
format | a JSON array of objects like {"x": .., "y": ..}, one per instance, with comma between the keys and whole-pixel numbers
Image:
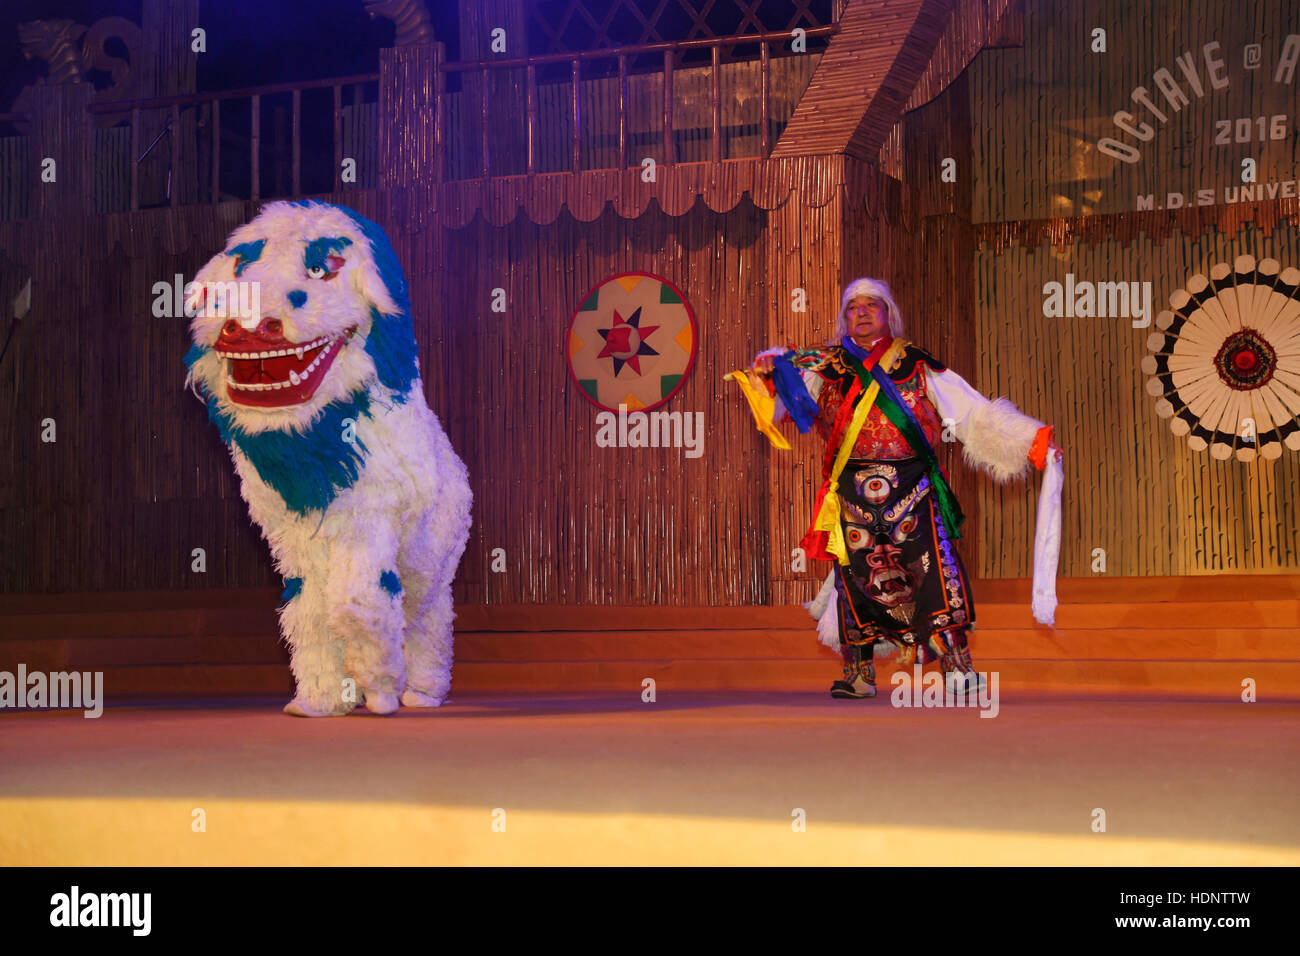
[{"x": 765, "y": 361}]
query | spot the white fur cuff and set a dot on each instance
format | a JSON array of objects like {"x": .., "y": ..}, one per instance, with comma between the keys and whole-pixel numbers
[{"x": 997, "y": 437}]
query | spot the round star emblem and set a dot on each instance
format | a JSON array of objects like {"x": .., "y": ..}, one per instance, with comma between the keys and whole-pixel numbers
[
  {"x": 632, "y": 342},
  {"x": 625, "y": 341}
]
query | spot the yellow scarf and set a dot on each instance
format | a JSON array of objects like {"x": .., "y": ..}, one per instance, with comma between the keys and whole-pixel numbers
[{"x": 762, "y": 405}]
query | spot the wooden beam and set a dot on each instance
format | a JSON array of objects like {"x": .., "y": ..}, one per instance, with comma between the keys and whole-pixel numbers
[
  {"x": 865, "y": 77},
  {"x": 975, "y": 25}
]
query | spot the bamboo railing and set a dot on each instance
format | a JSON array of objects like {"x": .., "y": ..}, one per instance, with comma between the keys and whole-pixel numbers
[
  {"x": 173, "y": 106},
  {"x": 178, "y": 119},
  {"x": 620, "y": 57}
]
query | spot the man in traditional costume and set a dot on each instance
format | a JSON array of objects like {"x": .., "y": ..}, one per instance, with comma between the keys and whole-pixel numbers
[{"x": 885, "y": 513}]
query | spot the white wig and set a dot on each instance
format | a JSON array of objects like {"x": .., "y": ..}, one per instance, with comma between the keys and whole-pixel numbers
[{"x": 877, "y": 288}]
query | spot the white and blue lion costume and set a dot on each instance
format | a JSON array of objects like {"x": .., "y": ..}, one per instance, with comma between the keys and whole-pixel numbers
[{"x": 348, "y": 472}]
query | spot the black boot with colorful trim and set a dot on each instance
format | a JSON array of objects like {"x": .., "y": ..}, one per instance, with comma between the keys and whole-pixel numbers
[
  {"x": 859, "y": 681},
  {"x": 959, "y": 672}
]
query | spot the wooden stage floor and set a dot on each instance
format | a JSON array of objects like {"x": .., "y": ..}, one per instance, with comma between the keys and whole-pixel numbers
[{"x": 694, "y": 778}]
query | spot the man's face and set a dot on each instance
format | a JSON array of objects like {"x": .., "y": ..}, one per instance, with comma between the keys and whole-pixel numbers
[{"x": 867, "y": 317}]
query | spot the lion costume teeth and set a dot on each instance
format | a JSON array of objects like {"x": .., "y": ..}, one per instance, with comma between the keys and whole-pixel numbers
[
  {"x": 358, "y": 492},
  {"x": 251, "y": 368}
]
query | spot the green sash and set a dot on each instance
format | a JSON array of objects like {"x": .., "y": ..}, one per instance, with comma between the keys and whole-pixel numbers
[{"x": 900, "y": 415}]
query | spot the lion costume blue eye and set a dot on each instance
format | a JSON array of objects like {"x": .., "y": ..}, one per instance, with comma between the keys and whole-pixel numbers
[
  {"x": 245, "y": 254},
  {"x": 321, "y": 259}
]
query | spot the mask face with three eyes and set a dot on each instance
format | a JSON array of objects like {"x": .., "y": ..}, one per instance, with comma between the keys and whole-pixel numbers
[{"x": 880, "y": 521}]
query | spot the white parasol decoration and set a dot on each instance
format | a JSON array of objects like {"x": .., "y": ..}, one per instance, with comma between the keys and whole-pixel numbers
[{"x": 1225, "y": 364}]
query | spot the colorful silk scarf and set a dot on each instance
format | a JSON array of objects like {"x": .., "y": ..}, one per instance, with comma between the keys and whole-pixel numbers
[
  {"x": 900, "y": 414},
  {"x": 871, "y": 386},
  {"x": 824, "y": 539}
]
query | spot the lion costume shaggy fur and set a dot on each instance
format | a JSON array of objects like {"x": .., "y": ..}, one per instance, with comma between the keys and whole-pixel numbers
[{"x": 314, "y": 384}]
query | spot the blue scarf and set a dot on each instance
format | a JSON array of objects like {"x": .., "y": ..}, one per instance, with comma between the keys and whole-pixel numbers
[{"x": 792, "y": 391}]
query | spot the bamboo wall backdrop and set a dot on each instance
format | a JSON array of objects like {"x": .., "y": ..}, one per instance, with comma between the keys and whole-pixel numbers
[
  {"x": 15, "y": 195},
  {"x": 1132, "y": 488},
  {"x": 135, "y": 480},
  {"x": 582, "y": 524},
  {"x": 793, "y": 476},
  {"x": 138, "y": 478}
]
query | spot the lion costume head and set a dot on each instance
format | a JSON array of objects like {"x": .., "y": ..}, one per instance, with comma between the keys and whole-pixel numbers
[{"x": 305, "y": 308}]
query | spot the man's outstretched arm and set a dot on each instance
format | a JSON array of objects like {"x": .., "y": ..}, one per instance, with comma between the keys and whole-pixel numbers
[{"x": 995, "y": 435}]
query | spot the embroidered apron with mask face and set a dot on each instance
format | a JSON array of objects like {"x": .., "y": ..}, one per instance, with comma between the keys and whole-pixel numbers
[{"x": 905, "y": 579}]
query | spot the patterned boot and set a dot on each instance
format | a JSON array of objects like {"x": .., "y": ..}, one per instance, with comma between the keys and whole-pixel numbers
[
  {"x": 959, "y": 674},
  {"x": 859, "y": 681}
]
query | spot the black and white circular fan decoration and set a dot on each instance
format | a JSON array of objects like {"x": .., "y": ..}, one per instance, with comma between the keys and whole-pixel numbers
[{"x": 1225, "y": 365}]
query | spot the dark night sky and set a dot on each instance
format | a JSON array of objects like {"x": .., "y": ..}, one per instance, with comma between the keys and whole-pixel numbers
[{"x": 249, "y": 42}]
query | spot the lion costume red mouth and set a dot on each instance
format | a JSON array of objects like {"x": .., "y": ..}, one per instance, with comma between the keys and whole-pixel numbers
[{"x": 266, "y": 370}]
